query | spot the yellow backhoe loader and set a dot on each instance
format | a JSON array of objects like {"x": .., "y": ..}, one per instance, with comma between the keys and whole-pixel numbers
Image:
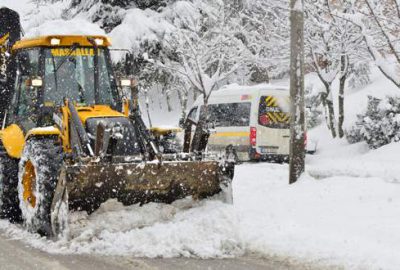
[{"x": 71, "y": 141}]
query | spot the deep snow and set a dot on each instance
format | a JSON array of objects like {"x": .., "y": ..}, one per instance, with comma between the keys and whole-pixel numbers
[
  {"x": 342, "y": 220},
  {"x": 344, "y": 211}
]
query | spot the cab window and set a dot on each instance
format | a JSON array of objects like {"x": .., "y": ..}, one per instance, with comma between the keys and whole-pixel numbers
[
  {"x": 25, "y": 99},
  {"x": 70, "y": 74}
]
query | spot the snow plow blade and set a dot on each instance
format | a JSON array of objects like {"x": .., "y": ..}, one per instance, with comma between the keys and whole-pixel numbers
[{"x": 90, "y": 185}]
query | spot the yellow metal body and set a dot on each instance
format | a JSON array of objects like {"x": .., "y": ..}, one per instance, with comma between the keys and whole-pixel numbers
[
  {"x": 29, "y": 184},
  {"x": 4, "y": 38},
  {"x": 96, "y": 112},
  {"x": 125, "y": 107},
  {"x": 65, "y": 129},
  {"x": 129, "y": 182},
  {"x": 64, "y": 41},
  {"x": 45, "y": 131},
  {"x": 13, "y": 140},
  {"x": 13, "y": 137}
]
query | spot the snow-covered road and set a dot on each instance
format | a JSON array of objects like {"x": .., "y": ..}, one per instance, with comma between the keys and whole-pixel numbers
[
  {"x": 15, "y": 255},
  {"x": 183, "y": 232},
  {"x": 345, "y": 221}
]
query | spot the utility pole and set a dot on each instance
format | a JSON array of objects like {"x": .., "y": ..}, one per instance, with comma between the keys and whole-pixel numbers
[{"x": 297, "y": 119}]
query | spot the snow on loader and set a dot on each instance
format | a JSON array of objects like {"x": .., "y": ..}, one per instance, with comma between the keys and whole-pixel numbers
[{"x": 70, "y": 141}]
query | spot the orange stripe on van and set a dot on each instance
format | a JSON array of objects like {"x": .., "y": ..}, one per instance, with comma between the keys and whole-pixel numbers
[{"x": 231, "y": 134}]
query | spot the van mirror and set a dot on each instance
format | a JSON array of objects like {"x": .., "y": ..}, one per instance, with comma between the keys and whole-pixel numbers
[
  {"x": 182, "y": 122},
  {"x": 192, "y": 115}
]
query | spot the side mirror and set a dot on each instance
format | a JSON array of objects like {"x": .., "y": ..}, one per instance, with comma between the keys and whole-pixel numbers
[{"x": 182, "y": 122}]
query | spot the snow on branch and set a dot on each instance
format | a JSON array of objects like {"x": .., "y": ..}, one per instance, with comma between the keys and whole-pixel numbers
[{"x": 376, "y": 22}]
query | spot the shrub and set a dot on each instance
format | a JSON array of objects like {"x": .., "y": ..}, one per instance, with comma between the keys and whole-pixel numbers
[
  {"x": 313, "y": 107},
  {"x": 379, "y": 124}
]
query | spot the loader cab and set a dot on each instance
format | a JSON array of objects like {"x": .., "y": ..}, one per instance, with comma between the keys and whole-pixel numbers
[{"x": 71, "y": 67}]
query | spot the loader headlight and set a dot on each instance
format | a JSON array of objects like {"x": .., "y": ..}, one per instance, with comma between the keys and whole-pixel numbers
[
  {"x": 99, "y": 41},
  {"x": 37, "y": 82},
  {"x": 125, "y": 82},
  {"x": 34, "y": 82},
  {"x": 55, "y": 41}
]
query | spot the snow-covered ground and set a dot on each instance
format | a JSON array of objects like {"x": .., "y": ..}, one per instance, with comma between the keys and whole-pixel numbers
[{"x": 330, "y": 216}]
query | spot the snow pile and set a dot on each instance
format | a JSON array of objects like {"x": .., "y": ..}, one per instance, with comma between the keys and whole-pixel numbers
[
  {"x": 138, "y": 27},
  {"x": 203, "y": 229},
  {"x": 338, "y": 158},
  {"x": 63, "y": 27},
  {"x": 338, "y": 220},
  {"x": 47, "y": 19},
  {"x": 342, "y": 220}
]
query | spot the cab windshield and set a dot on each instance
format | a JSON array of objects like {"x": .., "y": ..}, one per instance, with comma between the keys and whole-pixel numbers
[{"x": 70, "y": 73}]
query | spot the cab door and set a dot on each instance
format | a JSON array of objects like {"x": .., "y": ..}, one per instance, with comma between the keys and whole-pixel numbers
[{"x": 25, "y": 105}]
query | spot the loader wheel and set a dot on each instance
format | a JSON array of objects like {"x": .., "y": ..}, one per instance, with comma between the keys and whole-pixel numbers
[
  {"x": 39, "y": 169},
  {"x": 9, "y": 205}
]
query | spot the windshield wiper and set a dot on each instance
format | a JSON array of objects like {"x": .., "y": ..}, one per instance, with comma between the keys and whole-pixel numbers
[
  {"x": 54, "y": 73},
  {"x": 73, "y": 48},
  {"x": 95, "y": 70}
]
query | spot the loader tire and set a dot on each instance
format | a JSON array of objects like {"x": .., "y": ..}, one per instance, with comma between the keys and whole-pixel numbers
[
  {"x": 9, "y": 204},
  {"x": 39, "y": 169}
]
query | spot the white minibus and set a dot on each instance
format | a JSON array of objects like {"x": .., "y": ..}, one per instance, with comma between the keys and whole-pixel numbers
[{"x": 253, "y": 119}]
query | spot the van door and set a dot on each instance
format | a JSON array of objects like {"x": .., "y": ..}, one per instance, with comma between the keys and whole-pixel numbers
[
  {"x": 273, "y": 125},
  {"x": 231, "y": 122}
]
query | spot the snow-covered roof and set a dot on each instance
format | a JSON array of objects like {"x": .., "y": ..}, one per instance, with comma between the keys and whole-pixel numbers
[
  {"x": 63, "y": 40},
  {"x": 239, "y": 90},
  {"x": 232, "y": 89}
]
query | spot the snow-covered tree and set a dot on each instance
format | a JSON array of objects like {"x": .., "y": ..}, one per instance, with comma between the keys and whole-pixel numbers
[
  {"x": 207, "y": 54},
  {"x": 379, "y": 124},
  {"x": 336, "y": 50},
  {"x": 237, "y": 41},
  {"x": 379, "y": 21},
  {"x": 265, "y": 31}
]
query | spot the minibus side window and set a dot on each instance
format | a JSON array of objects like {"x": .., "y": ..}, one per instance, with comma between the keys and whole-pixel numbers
[
  {"x": 273, "y": 112},
  {"x": 229, "y": 114}
]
